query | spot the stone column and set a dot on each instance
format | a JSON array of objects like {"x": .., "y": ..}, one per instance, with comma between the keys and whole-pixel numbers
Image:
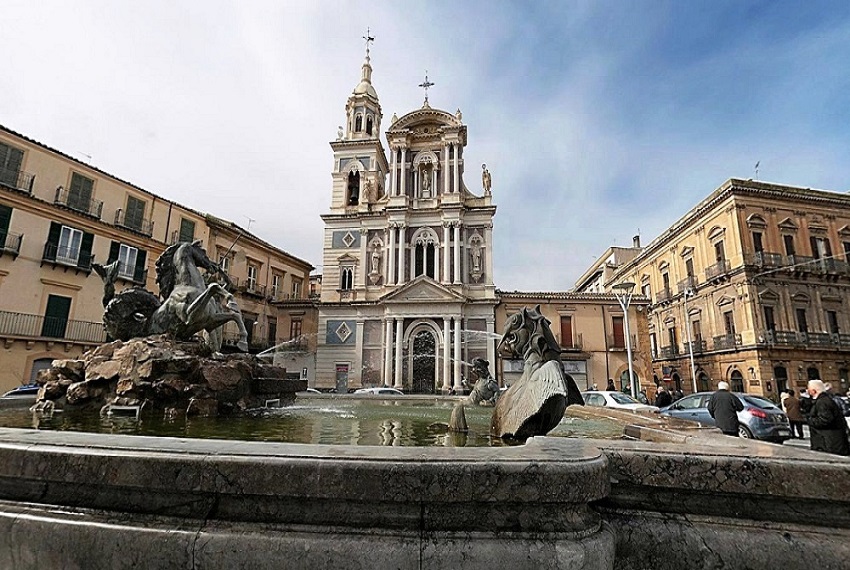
[
  {"x": 358, "y": 351},
  {"x": 445, "y": 169},
  {"x": 447, "y": 346},
  {"x": 456, "y": 280},
  {"x": 394, "y": 177},
  {"x": 403, "y": 171},
  {"x": 457, "y": 343},
  {"x": 488, "y": 253},
  {"x": 402, "y": 231},
  {"x": 446, "y": 254},
  {"x": 456, "y": 170},
  {"x": 391, "y": 256},
  {"x": 399, "y": 331},
  {"x": 491, "y": 344},
  {"x": 388, "y": 347},
  {"x": 361, "y": 280}
]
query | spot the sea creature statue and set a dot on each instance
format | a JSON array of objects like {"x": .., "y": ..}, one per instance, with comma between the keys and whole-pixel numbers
[
  {"x": 189, "y": 304},
  {"x": 536, "y": 402},
  {"x": 486, "y": 389}
]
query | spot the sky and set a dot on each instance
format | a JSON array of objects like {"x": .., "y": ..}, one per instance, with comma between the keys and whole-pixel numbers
[{"x": 598, "y": 120}]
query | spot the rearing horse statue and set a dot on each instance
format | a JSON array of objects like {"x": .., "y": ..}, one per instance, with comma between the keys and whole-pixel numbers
[{"x": 190, "y": 305}]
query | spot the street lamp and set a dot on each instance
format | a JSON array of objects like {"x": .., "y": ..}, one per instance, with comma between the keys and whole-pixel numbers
[
  {"x": 623, "y": 293},
  {"x": 690, "y": 293}
]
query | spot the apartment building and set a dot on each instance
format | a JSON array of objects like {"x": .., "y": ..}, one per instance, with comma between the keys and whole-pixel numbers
[
  {"x": 750, "y": 286},
  {"x": 58, "y": 215}
]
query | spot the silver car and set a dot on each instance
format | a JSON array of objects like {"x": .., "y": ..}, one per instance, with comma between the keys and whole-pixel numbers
[{"x": 760, "y": 418}]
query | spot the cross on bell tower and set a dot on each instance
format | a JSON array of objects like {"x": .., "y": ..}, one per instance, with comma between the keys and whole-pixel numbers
[
  {"x": 426, "y": 85},
  {"x": 369, "y": 39}
]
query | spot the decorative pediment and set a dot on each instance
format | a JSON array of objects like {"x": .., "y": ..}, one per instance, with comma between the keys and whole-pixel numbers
[
  {"x": 801, "y": 298},
  {"x": 756, "y": 221},
  {"x": 768, "y": 296},
  {"x": 670, "y": 321},
  {"x": 716, "y": 233},
  {"x": 687, "y": 251},
  {"x": 346, "y": 259},
  {"x": 788, "y": 225},
  {"x": 694, "y": 312},
  {"x": 644, "y": 278},
  {"x": 725, "y": 300},
  {"x": 423, "y": 289},
  {"x": 817, "y": 228},
  {"x": 663, "y": 266},
  {"x": 844, "y": 231}
]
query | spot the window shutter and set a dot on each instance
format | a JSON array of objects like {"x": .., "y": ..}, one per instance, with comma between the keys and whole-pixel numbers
[
  {"x": 56, "y": 316},
  {"x": 10, "y": 164},
  {"x": 135, "y": 213},
  {"x": 114, "y": 249},
  {"x": 85, "y": 251},
  {"x": 52, "y": 245},
  {"x": 828, "y": 247},
  {"x": 5, "y": 217},
  {"x": 139, "y": 273},
  {"x": 187, "y": 230},
  {"x": 79, "y": 196},
  {"x": 815, "y": 253}
]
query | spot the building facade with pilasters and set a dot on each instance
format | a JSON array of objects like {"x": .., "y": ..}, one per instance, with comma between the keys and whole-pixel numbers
[{"x": 407, "y": 296}]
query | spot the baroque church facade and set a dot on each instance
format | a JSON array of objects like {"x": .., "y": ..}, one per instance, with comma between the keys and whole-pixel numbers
[{"x": 407, "y": 295}]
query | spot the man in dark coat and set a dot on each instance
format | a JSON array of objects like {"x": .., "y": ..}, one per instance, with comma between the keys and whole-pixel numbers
[
  {"x": 724, "y": 406},
  {"x": 826, "y": 423},
  {"x": 662, "y": 398}
]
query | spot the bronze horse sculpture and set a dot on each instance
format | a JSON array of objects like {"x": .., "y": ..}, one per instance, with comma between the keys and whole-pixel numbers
[
  {"x": 189, "y": 304},
  {"x": 536, "y": 402}
]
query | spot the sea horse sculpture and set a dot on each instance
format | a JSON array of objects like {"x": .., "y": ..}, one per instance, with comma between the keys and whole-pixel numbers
[{"x": 536, "y": 402}]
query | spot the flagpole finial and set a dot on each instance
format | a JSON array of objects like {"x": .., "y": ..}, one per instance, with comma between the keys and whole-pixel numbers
[{"x": 757, "y": 169}]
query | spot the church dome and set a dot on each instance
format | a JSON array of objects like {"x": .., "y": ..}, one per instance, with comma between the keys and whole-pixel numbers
[{"x": 365, "y": 88}]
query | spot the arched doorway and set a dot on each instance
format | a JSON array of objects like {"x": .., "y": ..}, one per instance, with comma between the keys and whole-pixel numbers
[
  {"x": 703, "y": 381},
  {"x": 781, "y": 376},
  {"x": 813, "y": 373},
  {"x": 677, "y": 381},
  {"x": 736, "y": 381},
  {"x": 625, "y": 385},
  {"x": 423, "y": 366}
]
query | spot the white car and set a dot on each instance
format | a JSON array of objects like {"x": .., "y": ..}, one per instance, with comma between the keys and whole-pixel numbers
[
  {"x": 615, "y": 400},
  {"x": 378, "y": 392}
]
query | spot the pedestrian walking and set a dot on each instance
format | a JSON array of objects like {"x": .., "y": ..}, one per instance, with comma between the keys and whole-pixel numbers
[
  {"x": 663, "y": 398},
  {"x": 724, "y": 406},
  {"x": 795, "y": 415},
  {"x": 826, "y": 423}
]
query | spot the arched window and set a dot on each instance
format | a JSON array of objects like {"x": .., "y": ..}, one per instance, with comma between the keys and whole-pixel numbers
[
  {"x": 358, "y": 123},
  {"x": 781, "y": 376},
  {"x": 813, "y": 373},
  {"x": 736, "y": 381},
  {"x": 346, "y": 279},
  {"x": 353, "y": 188},
  {"x": 369, "y": 124},
  {"x": 424, "y": 259},
  {"x": 703, "y": 382}
]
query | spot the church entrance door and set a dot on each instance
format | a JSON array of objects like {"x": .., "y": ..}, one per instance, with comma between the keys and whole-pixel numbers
[{"x": 423, "y": 367}]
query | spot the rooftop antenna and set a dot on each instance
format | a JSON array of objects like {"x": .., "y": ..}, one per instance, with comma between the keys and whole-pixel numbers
[
  {"x": 239, "y": 235},
  {"x": 250, "y": 221},
  {"x": 757, "y": 169},
  {"x": 426, "y": 85}
]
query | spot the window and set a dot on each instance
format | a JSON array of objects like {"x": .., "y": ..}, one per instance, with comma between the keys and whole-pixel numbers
[
  {"x": 788, "y": 240},
  {"x": 646, "y": 291},
  {"x": 832, "y": 321},
  {"x": 671, "y": 335},
  {"x": 346, "y": 279},
  {"x": 127, "y": 261},
  {"x": 769, "y": 320},
  {"x": 56, "y": 316},
  {"x": 79, "y": 196},
  {"x": 252, "y": 277},
  {"x": 134, "y": 216},
  {"x": 272, "y": 331},
  {"x": 353, "y": 188},
  {"x": 736, "y": 381},
  {"x": 296, "y": 288},
  {"x": 224, "y": 263},
  {"x": 696, "y": 330},
  {"x": 10, "y": 164},
  {"x": 70, "y": 240},
  {"x": 729, "y": 322},
  {"x": 358, "y": 123},
  {"x": 820, "y": 248},
  {"x": 369, "y": 124},
  {"x": 619, "y": 337},
  {"x": 665, "y": 277},
  {"x": 5, "y": 218},
  {"x": 689, "y": 267},
  {"x": 424, "y": 259},
  {"x": 653, "y": 344},
  {"x": 802, "y": 322},
  {"x": 187, "y": 230},
  {"x": 276, "y": 282},
  {"x": 719, "y": 252},
  {"x": 295, "y": 330},
  {"x": 566, "y": 332},
  {"x": 846, "y": 245},
  {"x": 758, "y": 247}
]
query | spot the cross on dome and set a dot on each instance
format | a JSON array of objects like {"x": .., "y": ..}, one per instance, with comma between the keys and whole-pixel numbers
[
  {"x": 369, "y": 39},
  {"x": 425, "y": 85}
]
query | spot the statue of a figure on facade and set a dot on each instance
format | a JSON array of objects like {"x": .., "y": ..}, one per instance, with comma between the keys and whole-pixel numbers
[
  {"x": 536, "y": 402},
  {"x": 486, "y": 181},
  {"x": 426, "y": 184},
  {"x": 187, "y": 303}
]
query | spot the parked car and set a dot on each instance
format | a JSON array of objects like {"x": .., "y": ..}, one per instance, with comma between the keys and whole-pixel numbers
[
  {"x": 20, "y": 397},
  {"x": 378, "y": 392},
  {"x": 309, "y": 391},
  {"x": 760, "y": 418},
  {"x": 616, "y": 400}
]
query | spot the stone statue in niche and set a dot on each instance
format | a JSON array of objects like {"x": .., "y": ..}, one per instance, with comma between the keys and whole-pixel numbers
[
  {"x": 486, "y": 181},
  {"x": 536, "y": 402},
  {"x": 426, "y": 183},
  {"x": 375, "y": 266},
  {"x": 369, "y": 194},
  {"x": 475, "y": 252}
]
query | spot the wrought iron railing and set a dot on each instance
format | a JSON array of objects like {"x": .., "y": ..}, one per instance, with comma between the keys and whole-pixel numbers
[
  {"x": 727, "y": 341},
  {"x": 689, "y": 282},
  {"x": 663, "y": 295},
  {"x": 718, "y": 269},
  {"x": 699, "y": 347},
  {"x": 764, "y": 259},
  {"x": 67, "y": 256},
  {"x": 805, "y": 339},
  {"x": 801, "y": 262},
  {"x": 11, "y": 242},
  {"x": 17, "y": 179},
  {"x": 36, "y": 326},
  {"x": 144, "y": 227},
  {"x": 669, "y": 351},
  {"x": 90, "y": 207}
]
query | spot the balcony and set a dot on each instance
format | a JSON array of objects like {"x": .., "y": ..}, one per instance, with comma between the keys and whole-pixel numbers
[
  {"x": 90, "y": 207},
  {"x": 67, "y": 256},
  {"x": 689, "y": 282},
  {"x": 801, "y": 263},
  {"x": 17, "y": 180},
  {"x": 699, "y": 346},
  {"x": 727, "y": 341},
  {"x": 717, "y": 270},
  {"x": 764, "y": 259},
  {"x": 144, "y": 227},
  {"x": 816, "y": 340},
  {"x": 831, "y": 266},
  {"x": 249, "y": 287},
  {"x": 671, "y": 351},
  {"x": 10, "y": 243},
  {"x": 663, "y": 295},
  {"x": 37, "y": 326}
]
